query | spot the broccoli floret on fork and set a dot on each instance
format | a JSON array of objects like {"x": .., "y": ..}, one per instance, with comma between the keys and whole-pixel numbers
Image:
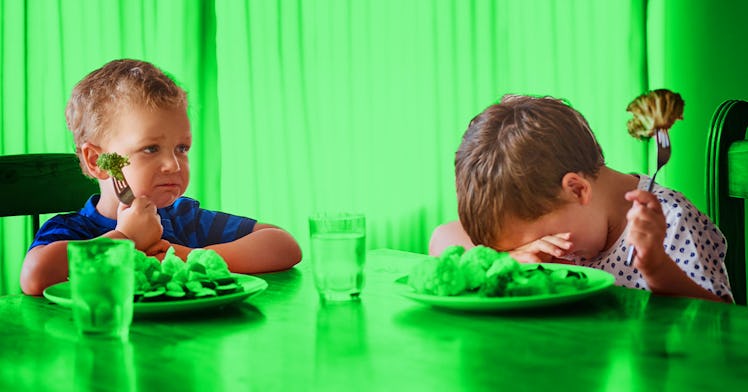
[{"x": 113, "y": 163}]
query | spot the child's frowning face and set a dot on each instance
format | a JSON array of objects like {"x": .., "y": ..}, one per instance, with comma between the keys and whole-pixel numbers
[{"x": 156, "y": 141}]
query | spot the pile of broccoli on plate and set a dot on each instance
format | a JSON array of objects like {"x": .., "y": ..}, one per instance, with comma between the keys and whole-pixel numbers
[
  {"x": 485, "y": 272},
  {"x": 203, "y": 275}
]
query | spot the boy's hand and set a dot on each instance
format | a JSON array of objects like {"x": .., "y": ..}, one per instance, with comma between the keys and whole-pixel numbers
[
  {"x": 140, "y": 223},
  {"x": 544, "y": 250},
  {"x": 647, "y": 227},
  {"x": 158, "y": 250}
]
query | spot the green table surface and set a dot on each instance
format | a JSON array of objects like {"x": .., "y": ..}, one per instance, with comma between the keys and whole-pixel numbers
[{"x": 286, "y": 340}]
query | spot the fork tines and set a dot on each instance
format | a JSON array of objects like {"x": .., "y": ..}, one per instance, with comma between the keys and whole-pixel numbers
[
  {"x": 123, "y": 191},
  {"x": 663, "y": 138}
]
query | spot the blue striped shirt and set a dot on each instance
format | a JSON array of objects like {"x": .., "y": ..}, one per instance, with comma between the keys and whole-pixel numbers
[{"x": 184, "y": 223}]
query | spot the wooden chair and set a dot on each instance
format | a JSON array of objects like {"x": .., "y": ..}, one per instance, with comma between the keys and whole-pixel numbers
[
  {"x": 727, "y": 186},
  {"x": 35, "y": 184}
]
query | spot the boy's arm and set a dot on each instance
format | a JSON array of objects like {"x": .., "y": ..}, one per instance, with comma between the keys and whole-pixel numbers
[
  {"x": 647, "y": 227},
  {"x": 266, "y": 249},
  {"x": 45, "y": 265},
  {"x": 668, "y": 278}
]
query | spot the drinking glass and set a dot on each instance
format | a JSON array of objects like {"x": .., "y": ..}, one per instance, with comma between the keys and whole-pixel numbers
[
  {"x": 338, "y": 254},
  {"x": 101, "y": 285}
]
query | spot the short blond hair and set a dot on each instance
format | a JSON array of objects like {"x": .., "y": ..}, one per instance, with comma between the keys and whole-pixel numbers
[
  {"x": 512, "y": 158},
  {"x": 116, "y": 86}
]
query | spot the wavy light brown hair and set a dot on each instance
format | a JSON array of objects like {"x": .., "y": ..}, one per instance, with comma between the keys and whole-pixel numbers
[
  {"x": 113, "y": 88},
  {"x": 512, "y": 158}
]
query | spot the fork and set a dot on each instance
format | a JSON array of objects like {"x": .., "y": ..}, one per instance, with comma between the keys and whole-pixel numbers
[
  {"x": 123, "y": 190},
  {"x": 663, "y": 156}
]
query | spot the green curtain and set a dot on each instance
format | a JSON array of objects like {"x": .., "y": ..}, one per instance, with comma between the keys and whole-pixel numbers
[
  {"x": 698, "y": 48},
  {"x": 302, "y": 106},
  {"x": 360, "y": 105}
]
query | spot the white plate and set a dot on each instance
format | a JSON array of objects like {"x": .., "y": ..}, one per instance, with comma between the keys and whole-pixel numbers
[
  {"x": 60, "y": 294},
  {"x": 599, "y": 280}
]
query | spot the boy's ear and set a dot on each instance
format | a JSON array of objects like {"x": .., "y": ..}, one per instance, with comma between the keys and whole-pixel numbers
[
  {"x": 576, "y": 188},
  {"x": 90, "y": 153}
]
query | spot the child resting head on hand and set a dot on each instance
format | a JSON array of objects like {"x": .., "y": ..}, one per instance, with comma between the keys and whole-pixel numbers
[{"x": 531, "y": 179}]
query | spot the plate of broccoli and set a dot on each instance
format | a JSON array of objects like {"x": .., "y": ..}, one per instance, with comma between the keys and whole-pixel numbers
[
  {"x": 482, "y": 279},
  {"x": 174, "y": 286}
]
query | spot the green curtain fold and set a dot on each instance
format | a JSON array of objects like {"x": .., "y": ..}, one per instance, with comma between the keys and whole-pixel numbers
[
  {"x": 360, "y": 105},
  {"x": 302, "y": 106}
]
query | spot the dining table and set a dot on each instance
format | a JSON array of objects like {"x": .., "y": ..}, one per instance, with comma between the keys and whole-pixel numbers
[{"x": 287, "y": 339}]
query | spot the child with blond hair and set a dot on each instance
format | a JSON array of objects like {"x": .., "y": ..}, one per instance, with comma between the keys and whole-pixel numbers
[
  {"x": 531, "y": 179},
  {"x": 132, "y": 108}
]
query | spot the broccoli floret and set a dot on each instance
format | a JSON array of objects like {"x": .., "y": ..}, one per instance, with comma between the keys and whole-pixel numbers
[
  {"x": 475, "y": 262},
  {"x": 535, "y": 282},
  {"x": 172, "y": 264},
  {"x": 211, "y": 262},
  {"x": 654, "y": 110},
  {"x": 567, "y": 281},
  {"x": 502, "y": 271},
  {"x": 113, "y": 163},
  {"x": 453, "y": 252},
  {"x": 421, "y": 277},
  {"x": 140, "y": 282},
  {"x": 147, "y": 265},
  {"x": 503, "y": 265},
  {"x": 438, "y": 276}
]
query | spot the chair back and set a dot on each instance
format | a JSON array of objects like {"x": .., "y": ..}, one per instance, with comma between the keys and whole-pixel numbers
[
  {"x": 727, "y": 186},
  {"x": 35, "y": 184}
]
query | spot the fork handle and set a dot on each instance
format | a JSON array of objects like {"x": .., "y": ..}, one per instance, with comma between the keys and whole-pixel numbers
[
  {"x": 632, "y": 249},
  {"x": 630, "y": 257},
  {"x": 652, "y": 182}
]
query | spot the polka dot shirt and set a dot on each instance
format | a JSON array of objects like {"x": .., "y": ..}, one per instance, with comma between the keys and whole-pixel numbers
[{"x": 691, "y": 240}]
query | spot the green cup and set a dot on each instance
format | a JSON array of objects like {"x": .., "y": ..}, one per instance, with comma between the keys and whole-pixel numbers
[
  {"x": 338, "y": 254},
  {"x": 101, "y": 285}
]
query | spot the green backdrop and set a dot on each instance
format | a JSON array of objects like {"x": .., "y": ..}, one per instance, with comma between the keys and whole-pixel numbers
[{"x": 308, "y": 105}]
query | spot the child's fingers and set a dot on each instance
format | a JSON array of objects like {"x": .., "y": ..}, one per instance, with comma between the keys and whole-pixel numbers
[
  {"x": 646, "y": 229},
  {"x": 634, "y": 212},
  {"x": 143, "y": 203},
  {"x": 640, "y": 216},
  {"x": 159, "y": 247},
  {"x": 544, "y": 249},
  {"x": 643, "y": 226},
  {"x": 561, "y": 240},
  {"x": 541, "y": 246},
  {"x": 644, "y": 243},
  {"x": 644, "y": 198},
  {"x": 552, "y": 245},
  {"x": 637, "y": 195}
]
